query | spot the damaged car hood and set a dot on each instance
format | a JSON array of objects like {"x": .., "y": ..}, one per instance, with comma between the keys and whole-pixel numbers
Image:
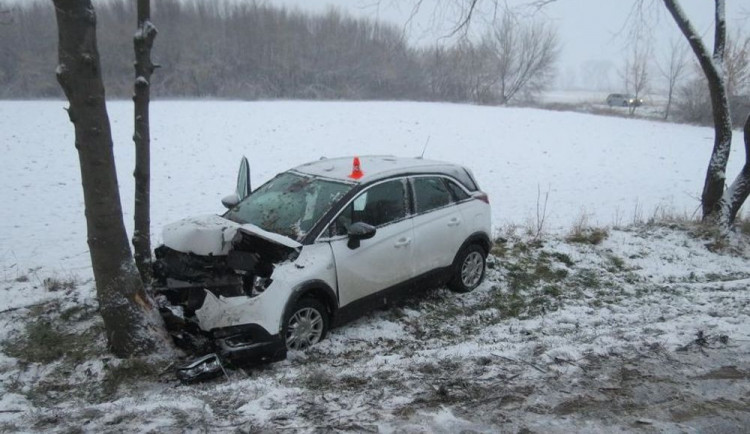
[{"x": 213, "y": 235}]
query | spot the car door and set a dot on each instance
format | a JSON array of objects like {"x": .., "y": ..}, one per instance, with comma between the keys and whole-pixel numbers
[
  {"x": 385, "y": 259},
  {"x": 439, "y": 227}
]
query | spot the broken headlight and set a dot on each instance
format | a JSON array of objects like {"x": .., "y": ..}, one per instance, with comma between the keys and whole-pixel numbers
[
  {"x": 203, "y": 368},
  {"x": 260, "y": 284}
]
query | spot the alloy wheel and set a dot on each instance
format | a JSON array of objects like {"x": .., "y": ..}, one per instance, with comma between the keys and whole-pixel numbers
[
  {"x": 305, "y": 329},
  {"x": 471, "y": 269}
]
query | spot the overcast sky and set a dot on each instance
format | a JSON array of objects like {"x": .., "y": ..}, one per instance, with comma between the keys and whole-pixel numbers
[{"x": 592, "y": 32}]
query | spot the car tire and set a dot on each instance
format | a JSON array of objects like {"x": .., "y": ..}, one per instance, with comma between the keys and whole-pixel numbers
[
  {"x": 306, "y": 324},
  {"x": 468, "y": 271}
]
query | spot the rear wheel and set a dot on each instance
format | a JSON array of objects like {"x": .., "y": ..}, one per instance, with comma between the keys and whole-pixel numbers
[
  {"x": 306, "y": 325},
  {"x": 469, "y": 269}
]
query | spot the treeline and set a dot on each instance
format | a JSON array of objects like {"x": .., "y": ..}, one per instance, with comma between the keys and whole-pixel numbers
[{"x": 248, "y": 50}]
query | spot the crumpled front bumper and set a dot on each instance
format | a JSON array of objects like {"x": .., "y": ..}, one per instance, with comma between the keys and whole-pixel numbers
[{"x": 238, "y": 344}]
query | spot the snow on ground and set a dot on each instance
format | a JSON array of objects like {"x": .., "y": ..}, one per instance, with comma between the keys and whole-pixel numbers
[
  {"x": 648, "y": 330},
  {"x": 561, "y": 337}
]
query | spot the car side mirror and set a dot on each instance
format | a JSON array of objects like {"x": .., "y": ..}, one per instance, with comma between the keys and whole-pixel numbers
[
  {"x": 230, "y": 201},
  {"x": 359, "y": 231}
]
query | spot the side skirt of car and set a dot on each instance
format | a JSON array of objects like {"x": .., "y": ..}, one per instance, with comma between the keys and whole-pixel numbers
[{"x": 389, "y": 296}]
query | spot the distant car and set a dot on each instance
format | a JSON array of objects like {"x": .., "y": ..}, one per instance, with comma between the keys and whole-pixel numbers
[
  {"x": 623, "y": 100},
  {"x": 317, "y": 244}
]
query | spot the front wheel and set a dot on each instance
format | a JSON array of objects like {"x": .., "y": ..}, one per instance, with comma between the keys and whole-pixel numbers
[
  {"x": 306, "y": 325},
  {"x": 469, "y": 269}
]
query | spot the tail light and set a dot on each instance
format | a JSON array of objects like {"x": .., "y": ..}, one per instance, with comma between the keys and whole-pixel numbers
[{"x": 482, "y": 196}]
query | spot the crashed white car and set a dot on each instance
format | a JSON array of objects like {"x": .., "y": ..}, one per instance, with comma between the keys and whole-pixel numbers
[{"x": 316, "y": 246}]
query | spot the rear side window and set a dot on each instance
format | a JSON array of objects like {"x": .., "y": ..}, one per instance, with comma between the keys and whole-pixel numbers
[
  {"x": 379, "y": 205},
  {"x": 458, "y": 193},
  {"x": 464, "y": 176},
  {"x": 430, "y": 193},
  {"x": 467, "y": 179}
]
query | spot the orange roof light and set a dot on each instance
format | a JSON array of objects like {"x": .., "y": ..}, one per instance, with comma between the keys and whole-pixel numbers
[{"x": 356, "y": 169}]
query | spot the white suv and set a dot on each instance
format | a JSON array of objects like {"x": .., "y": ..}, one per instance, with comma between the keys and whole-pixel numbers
[{"x": 318, "y": 245}]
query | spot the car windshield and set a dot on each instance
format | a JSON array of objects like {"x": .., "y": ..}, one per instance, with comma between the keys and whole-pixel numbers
[{"x": 290, "y": 204}]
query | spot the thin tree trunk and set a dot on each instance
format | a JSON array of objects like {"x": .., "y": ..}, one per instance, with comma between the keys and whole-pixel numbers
[
  {"x": 142, "y": 43},
  {"x": 738, "y": 192},
  {"x": 669, "y": 101},
  {"x": 132, "y": 324},
  {"x": 712, "y": 66}
]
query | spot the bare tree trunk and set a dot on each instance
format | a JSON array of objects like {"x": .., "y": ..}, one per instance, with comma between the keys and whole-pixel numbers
[
  {"x": 737, "y": 193},
  {"x": 142, "y": 43},
  {"x": 668, "y": 107},
  {"x": 672, "y": 72},
  {"x": 712, "y": 66},
  {"x": 132, "y": 324}
]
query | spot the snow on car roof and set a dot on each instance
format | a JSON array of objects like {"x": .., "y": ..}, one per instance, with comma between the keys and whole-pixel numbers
[{"x": 372, "y": 167}]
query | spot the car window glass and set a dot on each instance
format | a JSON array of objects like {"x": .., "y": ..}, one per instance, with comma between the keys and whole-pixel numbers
[
  {"x": 360, "y": 202},
  {"x": 463, "y": 176},
  {"x": 379, "y": 205},
  {"x": 430, "y": 193},
  {"x": 458, "y": 193},
  {"x": 290, "y": 204}
]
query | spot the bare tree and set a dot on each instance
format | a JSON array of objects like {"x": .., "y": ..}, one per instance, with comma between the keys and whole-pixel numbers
[
  {"x": 737, "y": 193},
  {"x": 672, "y": 68},
  {"x": 737, "y": 64},
  {"x": 524, "y": 55},
  {"x": 692, "y": 104},
  {"x": 718, "y": 204},
  {"x": 694, "y": 101},
  {"x": 132, "y": 324},
  {"x": 597, "y": 73},
  {"x": 142, "y": 43},
  {"x": 635, "y": 72},
  {"x": 459, "y": 73}
]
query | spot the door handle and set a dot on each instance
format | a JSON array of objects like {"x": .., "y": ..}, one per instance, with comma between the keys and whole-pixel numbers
[
  {"x": 455, "y": 221},
  {"x": 402, "y": 242}
]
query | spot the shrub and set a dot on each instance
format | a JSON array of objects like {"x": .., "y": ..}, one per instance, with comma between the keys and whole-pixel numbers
[{"x": 583, "y": 234}]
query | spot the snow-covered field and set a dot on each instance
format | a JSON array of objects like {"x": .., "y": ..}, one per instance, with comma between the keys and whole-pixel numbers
[
  {"x": 561, "y": 337},
  {"x": 609, "y": 169}
]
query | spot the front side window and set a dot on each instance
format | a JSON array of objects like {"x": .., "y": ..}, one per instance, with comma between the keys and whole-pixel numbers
[
  {"x": 379, "y": 205},
  {"x": 430, "y": 193},
  {"x": 290, "y": 204}
]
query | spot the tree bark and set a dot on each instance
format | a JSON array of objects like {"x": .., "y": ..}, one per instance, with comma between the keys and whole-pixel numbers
[
  {"x": 142, "y": 43},
  {"x": 712, "y": 66},
  {"x": 737, "y": 193},
  {"x": 132, "y": 324}
]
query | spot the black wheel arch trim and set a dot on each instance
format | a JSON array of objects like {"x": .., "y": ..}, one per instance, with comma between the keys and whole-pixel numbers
[
  {"x": 320, "y": 290},
  {"x": 480, "y": 238}
]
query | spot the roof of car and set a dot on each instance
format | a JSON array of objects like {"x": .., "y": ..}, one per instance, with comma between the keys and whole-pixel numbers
[{"x": 373, "y": 167}]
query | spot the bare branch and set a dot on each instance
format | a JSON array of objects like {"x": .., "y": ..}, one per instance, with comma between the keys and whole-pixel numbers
[
  {"x": 463, "y": 24},
  {"x": 672, "y": 69},
  {"x": 720, "y": 31}
]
